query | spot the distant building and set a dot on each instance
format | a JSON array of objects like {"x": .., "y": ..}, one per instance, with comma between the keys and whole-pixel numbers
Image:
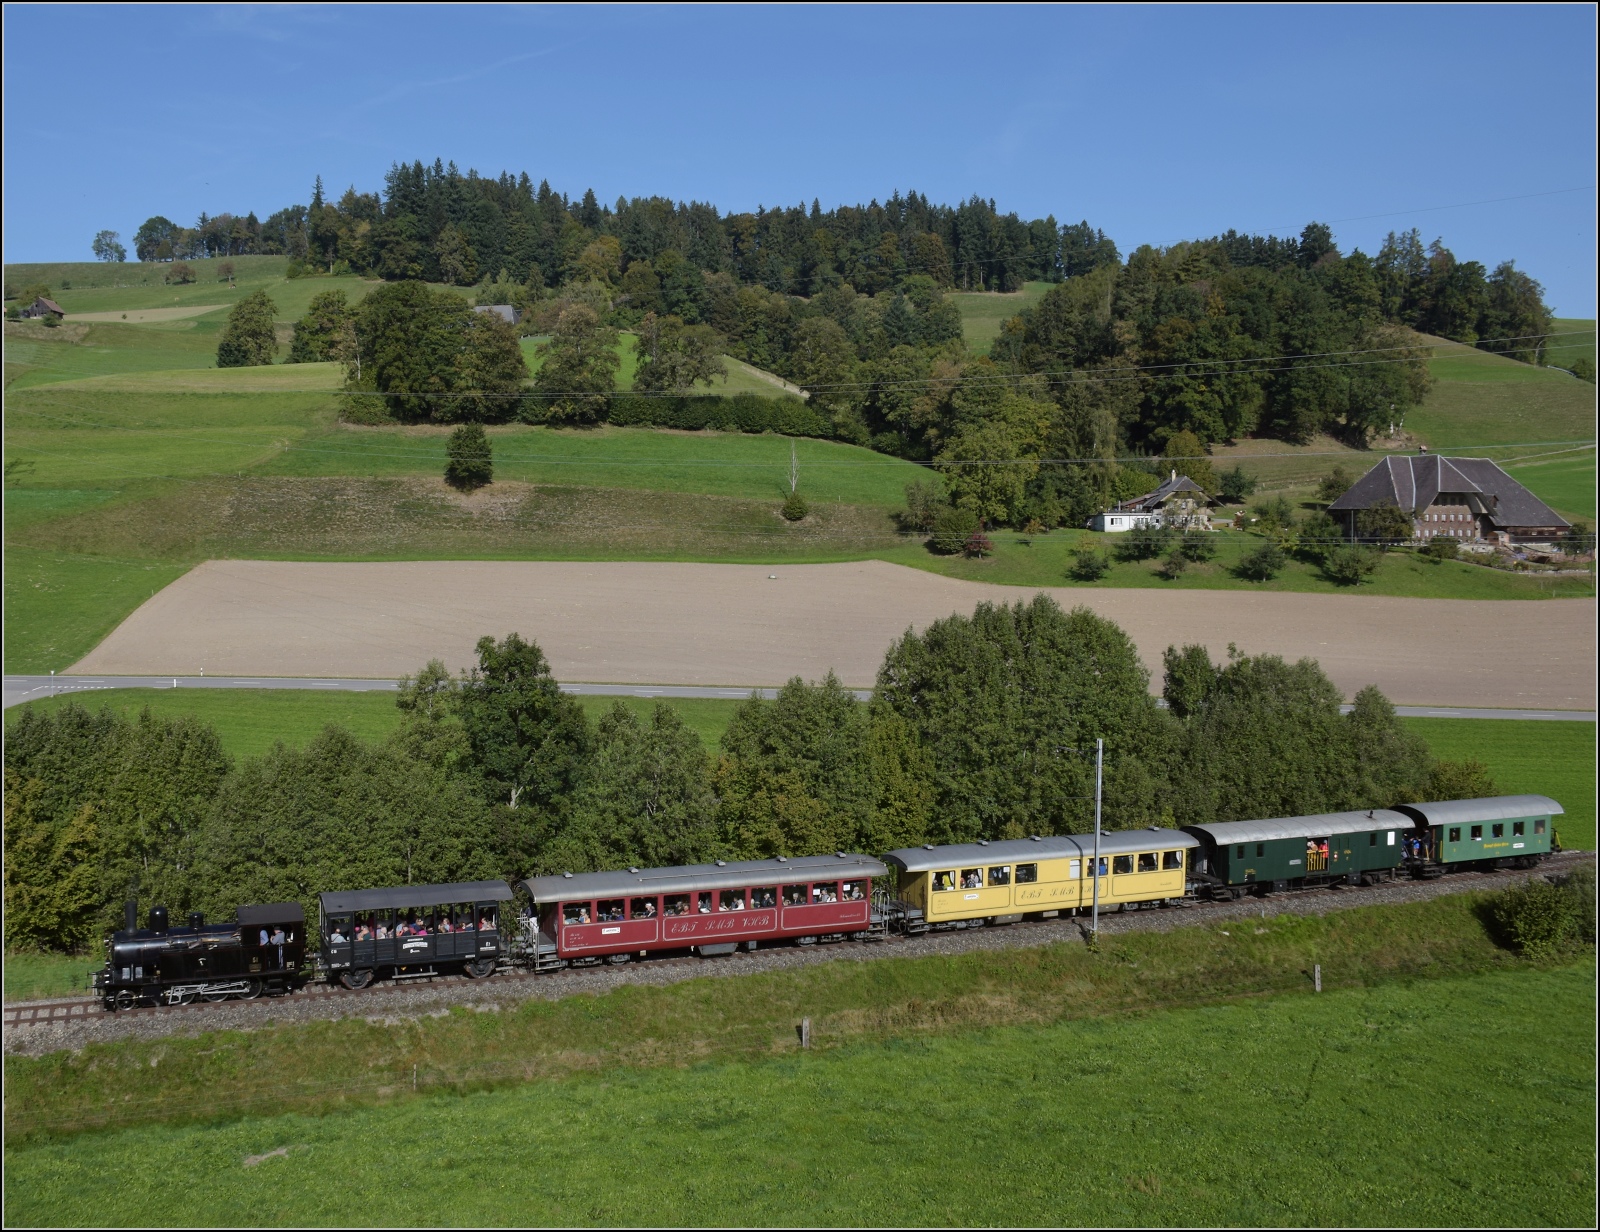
[
  {"x": 1179, "y": 503},
  {"x": 43, "y": 307},
  {"x": 505, "y": 311},
  {"x": 1470, "y": 499}
]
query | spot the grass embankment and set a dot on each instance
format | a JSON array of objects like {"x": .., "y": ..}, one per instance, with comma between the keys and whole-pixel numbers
[
  {"x": 1168, "y": 1060},
  {"x": 984, "y": 312}
]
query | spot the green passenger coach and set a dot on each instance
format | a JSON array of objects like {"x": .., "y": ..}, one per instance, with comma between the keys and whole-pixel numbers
[
  {"x": 1289, "y": 853},
  {"x": 1488, "y": 833}
]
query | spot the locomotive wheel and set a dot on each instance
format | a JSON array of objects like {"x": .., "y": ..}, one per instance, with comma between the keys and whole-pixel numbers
[
  {"x": 252, "y": 990},
  {"x": 187, "y": 996},
  {"x": 124, "y": 999},
  {"x": 216, "y": 996},
  {"x": 356, "y": 979}
]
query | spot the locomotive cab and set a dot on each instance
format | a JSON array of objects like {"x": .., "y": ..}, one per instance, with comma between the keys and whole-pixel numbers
[{"x": 264, "y": 952}]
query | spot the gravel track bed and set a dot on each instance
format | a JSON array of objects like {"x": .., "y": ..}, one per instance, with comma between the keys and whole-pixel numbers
[{"x": 392, "y": 1003}]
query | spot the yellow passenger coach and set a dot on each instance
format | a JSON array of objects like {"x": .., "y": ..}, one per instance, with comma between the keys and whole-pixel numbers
[{"x": 966, "y": 885}]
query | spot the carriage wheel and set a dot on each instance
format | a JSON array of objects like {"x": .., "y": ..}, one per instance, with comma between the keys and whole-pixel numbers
[
  {"x": 616, "y": 960},
  {"x": 355, "y": 980},
  {"x": 479, "y": 968}
]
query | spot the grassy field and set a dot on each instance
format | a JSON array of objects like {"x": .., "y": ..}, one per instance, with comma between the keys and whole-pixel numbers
[
  {"x": 1577, "y": 341},
  {"x": 983, "y": 312},
  {"x": 33, "y": 976},
  {"x": 1166, "y": 1060},
  {"x": 1565, "y": 482}
]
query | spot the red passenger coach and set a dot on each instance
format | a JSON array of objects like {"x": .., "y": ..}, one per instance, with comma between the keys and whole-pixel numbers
[{"x": 705, "y": 908}]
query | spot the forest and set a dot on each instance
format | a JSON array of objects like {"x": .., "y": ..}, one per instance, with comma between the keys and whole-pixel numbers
[
  {"x": 1203, "y": 342},
  {"x": 976, "y": 730}
]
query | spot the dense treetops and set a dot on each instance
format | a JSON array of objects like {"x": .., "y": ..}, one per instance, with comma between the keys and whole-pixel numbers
[{"x": 980, "y": 727}]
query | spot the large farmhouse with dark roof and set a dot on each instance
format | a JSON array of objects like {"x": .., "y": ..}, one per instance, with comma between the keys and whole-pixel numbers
[{"x": 1469, "y": 499}]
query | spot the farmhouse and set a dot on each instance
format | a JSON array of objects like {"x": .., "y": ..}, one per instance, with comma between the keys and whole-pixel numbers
[
  {"x": 43, "y": 307},
  {"x": 1470, "y": 499},
  {"x": 1179, "y": 502}
]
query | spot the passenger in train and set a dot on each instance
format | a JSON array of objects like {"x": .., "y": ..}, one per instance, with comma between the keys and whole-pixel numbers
[
  {"x": 444, "y": 922},
  {"x": 383, "y": 931},
  {"x": 647, "y": 910},
  {"x": 944, "y": 881},
  {"x": 971, "y": 879},
  {"x": 486, "y": 922},
  {"x": 853, "y": 891},
  {"x": 338, "y": 937}
]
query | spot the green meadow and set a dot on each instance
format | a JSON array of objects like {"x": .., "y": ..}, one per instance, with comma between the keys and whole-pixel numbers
[
  {"x": 984, "y": 312},
  {"x": 1193, "y": 1073}
]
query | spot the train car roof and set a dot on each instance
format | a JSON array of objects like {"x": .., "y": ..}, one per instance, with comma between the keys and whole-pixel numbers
[
  {"x": 727, "y": 875},
  {"x": 1490, "y": 808},
  {"x": 1317, "y": 825},
  {"x": 273, "y": 913},
  {"x": 415, "y": 896},
  {"x": 1053, "y": 847}
]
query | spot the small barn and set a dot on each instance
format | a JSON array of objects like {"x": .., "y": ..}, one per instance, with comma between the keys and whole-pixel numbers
[
  {"x": 1179, "y": 503},
  {"x": 1468, "y": 499},
  {"x": 43, "y": 307}
]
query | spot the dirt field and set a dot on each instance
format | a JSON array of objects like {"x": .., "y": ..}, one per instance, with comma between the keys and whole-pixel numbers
[{"x": 704, "y": 624}]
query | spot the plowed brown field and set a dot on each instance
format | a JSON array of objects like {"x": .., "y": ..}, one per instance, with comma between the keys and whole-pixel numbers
[{"x": 705, "y": 624}]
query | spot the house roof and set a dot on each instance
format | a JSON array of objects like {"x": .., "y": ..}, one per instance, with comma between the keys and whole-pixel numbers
[
  {"x": 1169, "y": 489},
  {"x": 504, "y": 311},
  {"x": 51, "y": 305},
  {"x": 1415, "y": 482}
]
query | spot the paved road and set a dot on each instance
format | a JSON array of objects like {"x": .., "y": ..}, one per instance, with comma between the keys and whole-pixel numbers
[{"x": 31, "y": 688}]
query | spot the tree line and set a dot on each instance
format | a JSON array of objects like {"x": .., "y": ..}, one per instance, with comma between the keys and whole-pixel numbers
[{"x": 978, "y": 729}]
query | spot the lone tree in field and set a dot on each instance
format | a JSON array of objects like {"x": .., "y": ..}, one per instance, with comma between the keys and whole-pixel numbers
[
  {"x": 471, "y": 458},
  {"x": 249, "y": 340},
  {"x": 107, "y": 247}
]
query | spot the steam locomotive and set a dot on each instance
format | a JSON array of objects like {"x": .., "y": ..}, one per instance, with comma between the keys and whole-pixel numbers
[{"x": 263, "y": 951}]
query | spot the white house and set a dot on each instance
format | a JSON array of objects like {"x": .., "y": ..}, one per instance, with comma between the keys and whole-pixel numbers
[{"x": 1179, "y": 503}]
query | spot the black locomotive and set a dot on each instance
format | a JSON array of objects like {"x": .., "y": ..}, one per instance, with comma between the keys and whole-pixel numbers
[{"x": 264, "y": 952}]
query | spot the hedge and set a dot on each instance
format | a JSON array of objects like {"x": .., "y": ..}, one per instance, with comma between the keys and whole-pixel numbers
[{"x": 737, "y": 413}]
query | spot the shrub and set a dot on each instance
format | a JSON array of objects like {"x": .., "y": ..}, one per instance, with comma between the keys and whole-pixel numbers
[
  {"x": 471, "y": 458},
  {"x": 1088, "y": 565},
  {"x": 1262, "y": 564},
  {"x": 1349, "y": 565},
  {"x": 1173, "y": 565},
  {"x": 1539, "y": 918},
  {"x": 1275, "y": 513},
  {"x": 1197, "y": 546},
  {"x": 1236, "y": 485},
  {"x": 180, "y": 272},
  {"x": 1385, "y": 524},
  {"x": 977, "y": 545},
  {"x": 952, "y": 527},
  {"x": 1334, "y": 484},
  {"x": 923, "y": 502},
  {"x": 795, "y": 507},
  {"x": 1441, "y": 548},
  {"x": 225, "y": 271},
  {"x": 1144, "y": 543},
  {"x": 1578, "y": 539},
  {"x": 1319, "y": 534},
  {"x": 299, "y": 269},
  {"x": 1583, "y": 369}
]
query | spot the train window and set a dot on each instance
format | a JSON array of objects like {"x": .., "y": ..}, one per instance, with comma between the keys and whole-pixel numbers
[
  {"x": 675, "y": 904},
  {"x": 1000, "y": 875},
  {"x": 1027, "y": 874},
  {"x": 764, "y": 896},
  {"x": 703, "y": 903},
  {"x": 1147, "y": 861},
  {"x": 1261, "y": 850},
  {"x": 445, "y": 925},
  {"x": 1101, "y": 871},
  {"x": 1122, "y": 864},
  {"x": 467, "y": 920},
  {"x": 972, "y": 879},
  {"x": 825, "y": 892},
  {"x": 608, "y": 909},
  {"x": 383, "y": 929},
  {"x": 731, "y": 900},
  {"x": 575, "y": 913},
  {"x": 1477, "y": 832},
  {"x": 364, "y": 928},
  {"x": 338, "y": 929},
  {"x": 488, "y": 917},
  {"x": 1172, "y": 859},
  {"x": 1538, "y": 825},
  {"x": 795, "y": 895},
  {"x": 1517, "y": 828},
  {"x": 642, "y": 909},
  {"x": 1372, "y": 839},
  {"x": 944, "y": 881},
  {"x": 852, "y": 891},
  {"x": 1074, "y": 869},
  {"x": 1499, "y": 829},
  {"x": 1240, "y": 852},
  {"x": 1455, "y": 834}
]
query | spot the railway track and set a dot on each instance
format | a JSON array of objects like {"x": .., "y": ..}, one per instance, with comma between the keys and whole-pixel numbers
[{"x": 72, "y": 1011}]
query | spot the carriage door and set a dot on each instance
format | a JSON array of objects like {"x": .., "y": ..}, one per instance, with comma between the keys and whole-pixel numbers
[{"x": 1316, "y": 855}]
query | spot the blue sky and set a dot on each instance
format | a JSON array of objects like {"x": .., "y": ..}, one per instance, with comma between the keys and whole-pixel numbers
[{"x": 1156, "y": 124}]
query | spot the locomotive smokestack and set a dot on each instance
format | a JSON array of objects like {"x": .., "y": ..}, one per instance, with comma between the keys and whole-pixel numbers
[{"x": 130, "y": 914}]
